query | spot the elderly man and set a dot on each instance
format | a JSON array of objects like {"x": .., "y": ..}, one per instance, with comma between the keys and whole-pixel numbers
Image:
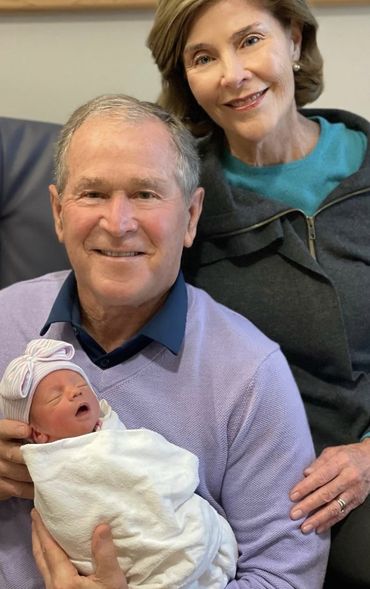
[{"x": 163, "y": 354}]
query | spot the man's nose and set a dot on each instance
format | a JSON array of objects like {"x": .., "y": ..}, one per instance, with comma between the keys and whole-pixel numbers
[{"x": 119, "y": 215}]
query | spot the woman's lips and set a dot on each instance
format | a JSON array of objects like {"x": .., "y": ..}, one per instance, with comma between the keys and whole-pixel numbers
[{"x": 246, "y": 101}]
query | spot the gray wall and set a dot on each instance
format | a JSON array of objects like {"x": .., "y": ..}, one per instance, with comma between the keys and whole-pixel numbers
[{"x": 51, "y": 63}]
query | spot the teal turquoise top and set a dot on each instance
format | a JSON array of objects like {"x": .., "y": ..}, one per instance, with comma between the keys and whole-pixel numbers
[{"x": 303, "y": 184}]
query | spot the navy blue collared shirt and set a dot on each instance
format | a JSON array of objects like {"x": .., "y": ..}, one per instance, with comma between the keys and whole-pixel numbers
[{"x": 166, "y": 327}]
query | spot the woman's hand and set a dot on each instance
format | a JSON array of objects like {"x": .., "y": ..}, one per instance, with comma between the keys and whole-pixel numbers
[
  {"x": 334, "y": 484},
  {"x": 59, "y": 573},
  {"x": 15, "y": 480}
]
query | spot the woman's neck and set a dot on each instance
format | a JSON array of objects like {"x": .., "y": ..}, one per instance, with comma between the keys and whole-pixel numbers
[{"x": 285, "y": 145}]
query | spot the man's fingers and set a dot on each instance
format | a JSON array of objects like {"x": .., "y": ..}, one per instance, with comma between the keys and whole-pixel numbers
[
  {"x": 17, "y": 430},
  {"x": 53, "y": 555},
  {"x": 9, "y": 488},
  {"x": 58, "y": 571},
  {"x": 52, "y": 562},
  {"x": 107, "y": 569},
  {"x": 10, "y": 451},
  {"x": 15, "y": 480},
  {"x": 39, "y": 555},
  {"x": 16, "y": 472}
]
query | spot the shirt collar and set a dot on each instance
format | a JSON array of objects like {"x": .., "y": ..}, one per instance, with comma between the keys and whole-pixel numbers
[{"x": 166, "y": 327}]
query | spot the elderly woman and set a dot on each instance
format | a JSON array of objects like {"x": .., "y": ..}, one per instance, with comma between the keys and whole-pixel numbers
[{"x": 284, "y": 234}]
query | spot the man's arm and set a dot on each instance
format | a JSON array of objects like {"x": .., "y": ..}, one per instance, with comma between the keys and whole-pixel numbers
[
  {"x": 15, "y": 480},
  {"x": 269, "y": 448}
]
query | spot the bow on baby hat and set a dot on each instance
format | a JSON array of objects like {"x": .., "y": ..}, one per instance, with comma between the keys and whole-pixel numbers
[{"x": 24, "y": 373}]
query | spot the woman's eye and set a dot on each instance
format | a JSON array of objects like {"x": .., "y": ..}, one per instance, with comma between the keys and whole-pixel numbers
[
  {"x": 250, "y": 40},
  {"x": 202, "y": 60}
]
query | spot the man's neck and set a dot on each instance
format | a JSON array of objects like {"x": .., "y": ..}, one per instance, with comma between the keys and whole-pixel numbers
[{"x": 111, "y": 328}]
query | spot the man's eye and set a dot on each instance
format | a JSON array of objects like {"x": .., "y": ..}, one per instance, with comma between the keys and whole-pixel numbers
[
  {"x": 145, "y": 195},
  {"x": 91, "y": 194}
]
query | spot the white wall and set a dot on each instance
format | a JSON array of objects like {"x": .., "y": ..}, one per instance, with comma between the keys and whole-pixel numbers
[
  {"x": 344, "y": 40},
  {"x": 51, "y": 63}
]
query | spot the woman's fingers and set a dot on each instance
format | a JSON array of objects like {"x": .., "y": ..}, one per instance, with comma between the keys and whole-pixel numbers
[{"x": 335, "y": 483}]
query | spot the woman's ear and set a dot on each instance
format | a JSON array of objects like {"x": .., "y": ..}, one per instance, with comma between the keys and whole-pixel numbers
[
  {"x": 39, "y": 437},
  {"x": 296, "y": 40}
]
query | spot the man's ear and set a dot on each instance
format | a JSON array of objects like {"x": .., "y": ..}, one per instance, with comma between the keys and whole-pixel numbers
[
  {"x": 194, "y": 209},
  {"x": 39, "y": 437},
  {"x": 56, "y": 209}
]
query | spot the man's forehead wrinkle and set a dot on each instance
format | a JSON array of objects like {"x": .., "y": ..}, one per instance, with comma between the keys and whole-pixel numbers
[{"x": 148, "y": 181}]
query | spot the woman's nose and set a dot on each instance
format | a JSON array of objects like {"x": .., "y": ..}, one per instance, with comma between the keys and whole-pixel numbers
[
  {"x": 234, "y": 71},
  {"x": 119, "y": 216}
]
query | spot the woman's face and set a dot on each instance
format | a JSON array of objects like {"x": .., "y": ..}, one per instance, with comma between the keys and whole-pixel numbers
[{"x": 238, "y": 62}]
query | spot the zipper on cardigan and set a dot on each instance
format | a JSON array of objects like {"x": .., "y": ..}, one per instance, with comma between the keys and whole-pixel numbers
[
  {"x": 311, "y": 235},
  {"x": 310, "y": 220}
]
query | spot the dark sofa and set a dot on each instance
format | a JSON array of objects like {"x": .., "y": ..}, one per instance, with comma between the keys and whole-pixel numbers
[{"x": 28, "y": 245}]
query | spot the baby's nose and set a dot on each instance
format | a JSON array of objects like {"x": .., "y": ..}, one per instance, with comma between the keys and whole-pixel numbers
[{"x": 74, "y": 393}]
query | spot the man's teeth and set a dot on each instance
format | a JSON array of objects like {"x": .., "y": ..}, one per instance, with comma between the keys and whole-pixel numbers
[{"x": 119, "y": 254}]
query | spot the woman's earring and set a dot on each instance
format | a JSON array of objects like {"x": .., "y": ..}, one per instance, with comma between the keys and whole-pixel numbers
[{"x": 296, "y": 67}]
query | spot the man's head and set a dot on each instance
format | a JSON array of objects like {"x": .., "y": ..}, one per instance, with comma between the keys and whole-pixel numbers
[
  {"x": 126, "y": 202},
  {"x": 45, "y": 389},
  {"x": 127, "y": 109}
]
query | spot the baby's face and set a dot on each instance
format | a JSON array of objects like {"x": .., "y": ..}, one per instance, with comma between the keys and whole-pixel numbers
[{"x": 63, "y": 406}]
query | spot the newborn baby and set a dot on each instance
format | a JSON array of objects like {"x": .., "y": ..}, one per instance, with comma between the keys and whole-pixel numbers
[{"x": 88, "y": 469}]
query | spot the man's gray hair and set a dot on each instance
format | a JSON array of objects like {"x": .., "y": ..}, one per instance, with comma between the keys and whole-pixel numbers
[{"x": 129, "y": 109}]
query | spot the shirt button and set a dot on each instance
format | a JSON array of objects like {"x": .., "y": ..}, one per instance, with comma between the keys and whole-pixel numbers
[{"x": 104, "y": 363}]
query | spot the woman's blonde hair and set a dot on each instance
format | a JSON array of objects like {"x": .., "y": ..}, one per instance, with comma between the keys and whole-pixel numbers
[{"x": 168, "y": 36}]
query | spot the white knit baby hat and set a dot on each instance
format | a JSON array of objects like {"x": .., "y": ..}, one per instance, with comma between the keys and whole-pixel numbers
[{"x": 24, "y": 373}]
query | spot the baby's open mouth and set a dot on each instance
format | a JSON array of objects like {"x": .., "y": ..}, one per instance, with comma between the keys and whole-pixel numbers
[{"x": 84, "y": 408}]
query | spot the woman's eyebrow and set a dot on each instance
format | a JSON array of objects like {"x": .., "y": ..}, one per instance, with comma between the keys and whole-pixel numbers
[
  {"x": 245, "y": 31},
  {"x": 196, "y": 47},
  {"x": 234, "y": 37}
]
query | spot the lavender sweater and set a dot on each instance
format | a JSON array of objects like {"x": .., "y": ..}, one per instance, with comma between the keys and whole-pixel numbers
[{"x": 228, "y": 397}]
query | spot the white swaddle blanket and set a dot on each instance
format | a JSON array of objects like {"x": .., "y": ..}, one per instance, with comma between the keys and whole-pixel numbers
[{"x": 143, "y": 486}]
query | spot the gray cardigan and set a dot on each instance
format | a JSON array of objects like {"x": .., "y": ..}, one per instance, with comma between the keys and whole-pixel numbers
[{"x": 304, "y": 281}]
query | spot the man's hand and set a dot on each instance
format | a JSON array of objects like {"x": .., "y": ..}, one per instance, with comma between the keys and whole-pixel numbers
[
  {"x": 58, "y": 571},
  {"x": 15, "y": 480},
  {"x": 334, "y": 484}
]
